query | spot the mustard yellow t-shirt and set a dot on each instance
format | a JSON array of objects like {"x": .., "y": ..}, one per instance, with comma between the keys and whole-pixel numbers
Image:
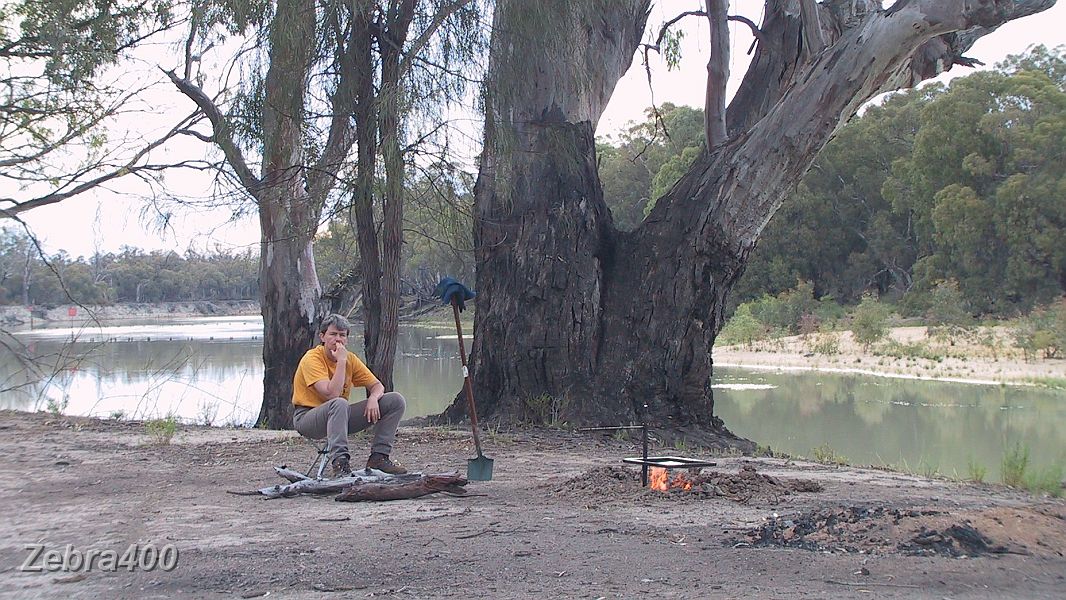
[{"x": 316, "y": 366}]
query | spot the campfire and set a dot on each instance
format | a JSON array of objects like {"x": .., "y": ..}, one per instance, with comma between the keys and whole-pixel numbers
[{"x": 659, "y": 479}]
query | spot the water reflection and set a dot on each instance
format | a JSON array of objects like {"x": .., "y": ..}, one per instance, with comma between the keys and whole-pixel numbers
[
  {"x": 918, "y": 425},
  {"x": 205, "y": 370}
]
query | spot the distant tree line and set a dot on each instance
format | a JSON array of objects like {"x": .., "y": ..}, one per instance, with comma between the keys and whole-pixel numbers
[
  {"x": 437, "y": 226},
  {"x": 131, "y": 275},
  {"x": 949, "y": 191}
]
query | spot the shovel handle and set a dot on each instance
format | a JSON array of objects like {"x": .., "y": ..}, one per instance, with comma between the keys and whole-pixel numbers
[{"x": 466, "y": 378}]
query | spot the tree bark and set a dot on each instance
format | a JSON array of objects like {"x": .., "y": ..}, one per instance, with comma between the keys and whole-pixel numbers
[
  {"x": 390, "y": 44},
  {"x": 602, "y": 321},
  {"x": 288, "y": 216},
  {"x": 362, "y": 213},
  {"x": 542, "y": 230}
]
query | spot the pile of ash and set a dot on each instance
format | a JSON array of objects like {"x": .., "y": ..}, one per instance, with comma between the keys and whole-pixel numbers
[{"x": 872, "y": 530}]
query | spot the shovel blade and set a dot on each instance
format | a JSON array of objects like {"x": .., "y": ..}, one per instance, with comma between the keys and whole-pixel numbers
[{"x": 479, "y": 469}]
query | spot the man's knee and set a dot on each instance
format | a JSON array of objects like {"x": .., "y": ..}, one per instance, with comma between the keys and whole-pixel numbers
[
  {"x": 336, "y": 404},
  {"x": 392, "y": 402}
]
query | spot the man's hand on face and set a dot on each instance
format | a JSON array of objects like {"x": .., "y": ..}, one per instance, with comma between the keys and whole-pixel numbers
[
  {"x": 340, "y": 352},
  {"x": 335, "y": 339},
  {"x": 373, "y": 411}
]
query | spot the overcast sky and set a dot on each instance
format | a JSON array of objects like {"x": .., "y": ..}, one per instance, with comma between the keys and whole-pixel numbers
[{"x": 107, "y": 221}]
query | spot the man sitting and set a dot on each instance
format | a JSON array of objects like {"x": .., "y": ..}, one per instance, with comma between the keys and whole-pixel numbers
[{"x": 320, "y": 389}]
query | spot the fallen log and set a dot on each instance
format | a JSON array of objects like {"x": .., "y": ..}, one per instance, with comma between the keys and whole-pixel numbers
[
  {"x": 306, "y": 485},
  {"x": 447, "y": 483},
  {"x": 289, "y": 474}
]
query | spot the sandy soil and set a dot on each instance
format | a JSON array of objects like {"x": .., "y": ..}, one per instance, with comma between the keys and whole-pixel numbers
[
  {"x": 562, "y": 518},
  {"x": 986, "y": 356}
]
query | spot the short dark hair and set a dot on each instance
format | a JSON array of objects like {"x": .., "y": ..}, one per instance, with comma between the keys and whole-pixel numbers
[{"x": 337, "y": 321}]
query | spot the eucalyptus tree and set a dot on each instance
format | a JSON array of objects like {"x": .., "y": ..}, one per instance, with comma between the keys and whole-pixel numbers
[
  {"x": 605, "y": 321},
  {"x": 988, "y": 204},
  {"x": 318, "y": 80}
]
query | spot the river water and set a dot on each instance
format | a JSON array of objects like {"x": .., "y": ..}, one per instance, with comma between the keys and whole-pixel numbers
[{"x": 209, "y": 370}]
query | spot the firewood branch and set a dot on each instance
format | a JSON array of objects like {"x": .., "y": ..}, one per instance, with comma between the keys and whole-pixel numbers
[
  {"x": 223, "y": 133},
  {"x": 369, "y": 484}
]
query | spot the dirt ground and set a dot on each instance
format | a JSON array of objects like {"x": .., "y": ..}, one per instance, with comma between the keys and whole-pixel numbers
[{"x": 562, "y": 518}]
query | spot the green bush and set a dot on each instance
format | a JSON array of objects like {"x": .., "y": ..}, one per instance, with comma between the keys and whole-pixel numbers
[
  {"x": 1047, "y": 481},
  {"x": 976, "y": 471},
  {"x": 825, "y": 454},
  {"x": 1043, "y": 332},
  {"x": 869, "y": 321},
  {"x": 545, "y": 409},
  {"x": 742, "y": 328},
  {"x": 1015, "y": 464},
  {"x": 162, "y": 430}
]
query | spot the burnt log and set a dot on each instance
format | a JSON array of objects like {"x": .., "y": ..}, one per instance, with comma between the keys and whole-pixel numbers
[{"x": 447, "y": 483}]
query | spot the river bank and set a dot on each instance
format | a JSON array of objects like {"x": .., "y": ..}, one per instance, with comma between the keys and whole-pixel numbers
[
  {"x": 22, "y": 316},
  {"x": 561, "y": 518},
  {"x": 984, "y": 356}
]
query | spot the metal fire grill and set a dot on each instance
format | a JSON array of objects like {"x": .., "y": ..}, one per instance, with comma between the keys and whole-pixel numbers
[
  {"x": 645, "y": 461},
  {"x": 669, "y": 462}
]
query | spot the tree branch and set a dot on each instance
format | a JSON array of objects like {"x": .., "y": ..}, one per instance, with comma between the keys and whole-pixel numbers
[
  {"x": 422, "y": 40},
  {"x": 717, "y": 74},
  {"x": 223, "y": 135},
  {"x": 128, "y": 168}
]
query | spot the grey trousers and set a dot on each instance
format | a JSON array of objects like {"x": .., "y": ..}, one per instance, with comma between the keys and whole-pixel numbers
[{"x": 335, "y": 419}]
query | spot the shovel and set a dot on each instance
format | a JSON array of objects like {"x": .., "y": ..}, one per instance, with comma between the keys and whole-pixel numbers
[{"x": 480, "y": 468}]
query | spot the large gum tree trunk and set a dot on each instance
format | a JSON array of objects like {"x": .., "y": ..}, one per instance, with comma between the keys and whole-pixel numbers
[
  {"x": 543, "y": 233},
  {"x": 602, "y": 321},
  {"x": 288, "y": 215},
  {"x": 289, "y": 291}
]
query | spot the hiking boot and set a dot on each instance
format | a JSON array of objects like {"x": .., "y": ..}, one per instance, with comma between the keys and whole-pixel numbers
[
  {"x": 381, "y": 462},
  {"x": 341, "y": 467}
]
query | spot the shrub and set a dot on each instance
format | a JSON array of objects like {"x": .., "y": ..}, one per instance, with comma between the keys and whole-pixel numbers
[
  {"x": 162, "y": 430},
  {"x": 1047, "y": 481},
  {"x": 1015, "y": 464},
  {"x": 899, "y": 350},
  {"x": 742, "y": 328},
  {"x": 826, "y": 343},
  {"x": 1043, "y": 332},
  {"x": 785, "y": 310},
  {"x": 545, "y": 409},
  {"x": 869, "y": 321},
  {"x": 825, "y": 454}
]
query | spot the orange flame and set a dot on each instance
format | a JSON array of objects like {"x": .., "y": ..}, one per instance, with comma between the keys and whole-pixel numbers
[{"x": 659, "y": 479}]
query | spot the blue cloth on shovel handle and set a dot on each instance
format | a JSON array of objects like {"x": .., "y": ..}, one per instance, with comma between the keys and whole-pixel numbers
[{"x": 449, "y": 288}]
